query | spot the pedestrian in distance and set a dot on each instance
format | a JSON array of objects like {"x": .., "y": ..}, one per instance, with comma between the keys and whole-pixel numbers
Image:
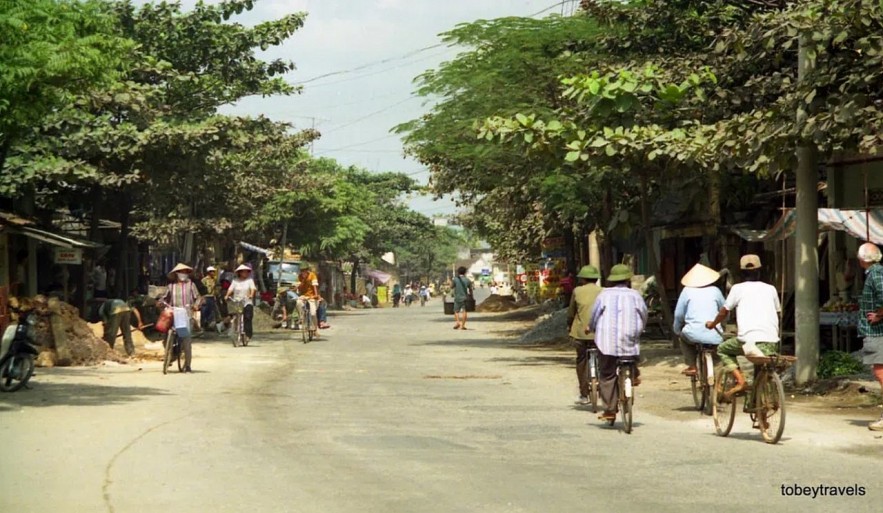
[
  {"x": 699, "y": 301},
  {"x": 210, "y": 282},
  {"x": 462, "y": 292},
  {"x": 579, "y": 316},
  {"x": 618, "y": 319},
  {"x": 757, "y": 310},
  {"x": 870, "y": 325},
  {"x": 116, "y": 315},
  {"x": 183, "y": 293}
]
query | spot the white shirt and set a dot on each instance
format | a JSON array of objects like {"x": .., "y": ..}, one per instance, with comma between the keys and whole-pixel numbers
[
  {"x": 757, "y": 307},
  {"x": 241, "y": 289}
]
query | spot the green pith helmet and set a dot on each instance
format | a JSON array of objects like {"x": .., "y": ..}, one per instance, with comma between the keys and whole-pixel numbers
[
  {"x": 620, "y": 272},
  {"x": 589, "y": 272}
]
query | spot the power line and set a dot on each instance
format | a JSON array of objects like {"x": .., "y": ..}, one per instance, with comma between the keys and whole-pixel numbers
[
  {"x": 378, "y": 72},
  {"x": 371, "y": 64},
  {"x": 368, "y": 116},
  {"x": 356, "y": 145}
]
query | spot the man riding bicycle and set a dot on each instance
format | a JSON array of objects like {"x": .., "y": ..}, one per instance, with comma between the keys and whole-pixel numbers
[
  {"x": 308, "y": 290},
  {"x": 757, "y": 306}
]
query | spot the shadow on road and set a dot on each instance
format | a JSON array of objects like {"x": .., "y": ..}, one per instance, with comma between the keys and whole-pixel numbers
[{"x": 75, "y": 394}]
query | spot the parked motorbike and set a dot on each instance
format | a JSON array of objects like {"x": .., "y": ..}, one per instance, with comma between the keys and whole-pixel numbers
[{"x": 18, "y": 349}]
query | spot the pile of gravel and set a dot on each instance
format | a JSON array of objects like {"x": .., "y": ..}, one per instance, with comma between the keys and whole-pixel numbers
[{"x": 550, "y": 328}]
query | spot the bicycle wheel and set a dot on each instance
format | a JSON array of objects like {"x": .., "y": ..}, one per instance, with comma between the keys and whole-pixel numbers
[
  {"x": 305, "y": 324},
  {"x": 626, "y": 398},
  {"x": 593, "y": 382},
  {"x": 180, "y": 355},
  {"x": 15, "y": 371},
  {"x": 708, "y": 382},
  {"x": 724, "y": 413},
  {"x": 167, "y": 356},
  {"x": 696, "y": 383},
  {"x": 770, "y": 403}
]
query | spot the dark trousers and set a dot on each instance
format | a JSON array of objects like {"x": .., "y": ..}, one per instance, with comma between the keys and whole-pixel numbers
[
  {"x": 247, "y": 316},
  {"x": 322, "y": 312},
  {"x": 609, "y": 387},
  {"x": 582, "y": 364},
  {"x": 207, "y": 312},
  {"x": 113, "y": 325}
]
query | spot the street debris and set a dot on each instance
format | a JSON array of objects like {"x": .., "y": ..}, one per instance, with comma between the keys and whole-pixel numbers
[
  {"x": 550, "y": 328},
  {"x": 497, "y": 303}
]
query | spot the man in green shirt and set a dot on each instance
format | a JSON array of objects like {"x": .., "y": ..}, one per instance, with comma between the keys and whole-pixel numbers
[
  {"x": 117, "y": 314},
  {"x": 579, "y": 315},
  {"x": 870, "y": 325},
  {"x": 462, "y": 291}
]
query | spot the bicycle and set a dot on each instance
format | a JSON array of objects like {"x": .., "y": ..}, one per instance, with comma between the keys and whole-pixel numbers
[
  {"x": 172, "y": 347},
  {"x": 592, "y": 376},
  {"x": 17, "y": 365},
  {"x": 308, "y": 331},
  {"x": 764, "y": 400},
  {"x": 236, "y": 308},
  {"x": 626, "y": 367},
  {"x": 702, "y": 382}
]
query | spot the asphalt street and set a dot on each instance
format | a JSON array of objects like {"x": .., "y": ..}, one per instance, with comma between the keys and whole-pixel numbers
[{"x": 393, "y": 411}]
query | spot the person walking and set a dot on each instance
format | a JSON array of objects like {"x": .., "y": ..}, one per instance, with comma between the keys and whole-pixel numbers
[
  {"x": 462, "y": 292},
  {"x": 870, "y": 325},
  {"x": 618, "y": 319},
  {"x": 579, "y": 316},
  {"x": 699, "y": 301},
  {"x": 210, "y": 281},
  {"x": 116, "y": 315},
  {"x": 757, "y": 309},
  {"x": 182, "y": 293}
]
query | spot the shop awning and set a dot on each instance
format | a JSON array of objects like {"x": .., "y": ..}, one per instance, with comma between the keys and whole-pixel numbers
[
  {"x": 857, "y": 223},
  {"x": 256, "y": 249},
  {"x": 378, "y": 276}
]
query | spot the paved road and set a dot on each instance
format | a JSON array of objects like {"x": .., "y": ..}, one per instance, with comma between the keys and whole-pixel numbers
[{"x": 393, "y": 411}]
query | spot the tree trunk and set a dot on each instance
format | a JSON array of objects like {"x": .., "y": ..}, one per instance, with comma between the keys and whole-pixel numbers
[
  {"x": 353, "y": 275},
  {"x": 122, "y": 265},
  {"x": 4, "y": 151},
  {"x": 667, "y": 316}
]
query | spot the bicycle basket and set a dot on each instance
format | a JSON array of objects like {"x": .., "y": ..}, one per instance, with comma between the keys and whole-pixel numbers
[{"x": 235, "y": 307}]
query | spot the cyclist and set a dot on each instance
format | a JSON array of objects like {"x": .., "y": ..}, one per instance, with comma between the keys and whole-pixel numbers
[
  {"x": 699, "y": 300},
  {"x": 396, "y": 295},
  {"x": 183, "y": 293},
  {"x": 288, "y": 299},
  {"x": 579, "y": 316},
  {"x": 424, "y": 293},
  {"x": 618, "y": 318},
  {"x": 757, "y": 306},
  {"x": 210, "y": 281},
  {"x": 308, "y": 290},
  {"x": 242, "y": 288}
]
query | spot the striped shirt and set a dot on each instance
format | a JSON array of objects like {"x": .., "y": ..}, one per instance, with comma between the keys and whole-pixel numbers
[
  {"x": 618, "y": 318},
  {"x": 182, "y": 294},
  {"x": 871, "y": 300}
]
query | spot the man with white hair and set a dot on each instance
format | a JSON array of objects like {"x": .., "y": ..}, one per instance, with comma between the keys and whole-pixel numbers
[{"x": 870, "y": 325}]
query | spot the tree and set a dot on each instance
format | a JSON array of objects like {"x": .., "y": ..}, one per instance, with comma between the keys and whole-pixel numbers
[{"x": 50, "y": 50}]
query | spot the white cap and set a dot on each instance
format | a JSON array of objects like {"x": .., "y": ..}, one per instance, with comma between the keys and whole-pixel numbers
[{"x": 210, "y": 269}]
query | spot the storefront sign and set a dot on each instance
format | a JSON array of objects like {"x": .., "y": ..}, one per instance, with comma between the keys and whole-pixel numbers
[{"x": 69, "y": 256}]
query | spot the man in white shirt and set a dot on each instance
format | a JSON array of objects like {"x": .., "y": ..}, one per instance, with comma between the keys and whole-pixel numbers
[{"x": 757, "y": 309}]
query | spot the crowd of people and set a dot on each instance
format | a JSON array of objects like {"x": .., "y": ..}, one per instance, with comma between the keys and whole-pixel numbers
[{"x": 613, "y": 318}]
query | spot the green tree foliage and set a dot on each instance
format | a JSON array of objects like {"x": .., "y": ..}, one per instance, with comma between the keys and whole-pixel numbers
[{"x": 49, "y": 50}]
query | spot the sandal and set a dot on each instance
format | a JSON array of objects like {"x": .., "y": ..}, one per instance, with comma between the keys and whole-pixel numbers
[
  {"x": 731, "y": 393},
  {"x": 689, "y": 371},
  {"x": 608, "y": 416}
]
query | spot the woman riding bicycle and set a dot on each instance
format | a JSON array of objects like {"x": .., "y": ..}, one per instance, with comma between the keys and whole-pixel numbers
[
  {"x": 243, "y": 289},
  {"x": 183, "y": 293},
  {"x": 699, "y": 301}
]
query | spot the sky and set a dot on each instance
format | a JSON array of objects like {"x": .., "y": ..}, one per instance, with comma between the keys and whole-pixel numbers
[{"x": 355, "y": 111}]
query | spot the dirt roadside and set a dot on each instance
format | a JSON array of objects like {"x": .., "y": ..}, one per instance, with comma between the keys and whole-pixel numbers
[{"x": 831, "y": 412}]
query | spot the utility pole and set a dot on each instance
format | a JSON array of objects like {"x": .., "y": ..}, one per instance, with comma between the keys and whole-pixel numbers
[{"x": 806, "y": 264}]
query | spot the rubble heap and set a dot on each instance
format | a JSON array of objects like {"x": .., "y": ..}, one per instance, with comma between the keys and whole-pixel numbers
[
  {"x": 64, "y": 338},
  {"x": 497, "y": 303},
  {"x": 550, "y": 328}
]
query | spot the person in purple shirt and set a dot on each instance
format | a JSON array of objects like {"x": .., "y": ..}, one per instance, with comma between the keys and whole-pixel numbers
[{"x": 618, "y": 319}]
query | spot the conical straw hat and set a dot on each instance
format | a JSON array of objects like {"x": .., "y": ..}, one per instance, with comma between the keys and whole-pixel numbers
[
  {"x": 180, "y": 268},
  {"x": 700, "y": 276},
  {"x": 243, "y": 267}
]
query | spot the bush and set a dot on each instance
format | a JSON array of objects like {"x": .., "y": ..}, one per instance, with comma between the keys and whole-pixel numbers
[{"x": 838, "y": 363}]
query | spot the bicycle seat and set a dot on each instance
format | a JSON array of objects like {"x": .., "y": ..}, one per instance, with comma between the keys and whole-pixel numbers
[{"x": 627, "y": 359}]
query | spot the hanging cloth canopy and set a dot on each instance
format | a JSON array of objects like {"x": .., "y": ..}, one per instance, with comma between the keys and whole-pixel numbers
[{"x": 861, "y": 224}]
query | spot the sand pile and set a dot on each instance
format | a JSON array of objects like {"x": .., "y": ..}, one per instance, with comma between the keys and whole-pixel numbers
[
  {"x": 498, "y": 303},
  {"x": 64, "y": 337}
]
